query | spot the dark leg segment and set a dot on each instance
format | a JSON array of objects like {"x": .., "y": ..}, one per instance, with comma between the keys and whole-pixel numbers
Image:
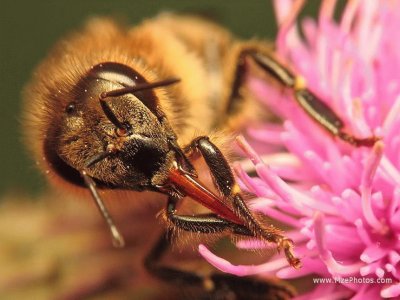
[
  {"x": 311, "y": 104},
  {"x": 237, "y": 83},
  {"x": 219, "y": 167},
  {"x": 206, "y": 223},
  {"x": 225, "y": 182}
]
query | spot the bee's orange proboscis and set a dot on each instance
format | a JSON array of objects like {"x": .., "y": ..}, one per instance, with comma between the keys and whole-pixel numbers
[{"x": 198, "y": 192}]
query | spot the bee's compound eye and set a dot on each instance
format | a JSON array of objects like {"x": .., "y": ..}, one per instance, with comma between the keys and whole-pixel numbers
[{"x": 71, "y": 108}]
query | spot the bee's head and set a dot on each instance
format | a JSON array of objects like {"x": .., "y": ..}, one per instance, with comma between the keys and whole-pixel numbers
[{"x": 113, "y": 129}]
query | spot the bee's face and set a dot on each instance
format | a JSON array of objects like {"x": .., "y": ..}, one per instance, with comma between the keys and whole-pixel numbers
[{"x": 124, "y": 128}]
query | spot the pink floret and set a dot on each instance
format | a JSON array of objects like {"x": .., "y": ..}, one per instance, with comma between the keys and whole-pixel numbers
[{"x": 342, "y": 202}]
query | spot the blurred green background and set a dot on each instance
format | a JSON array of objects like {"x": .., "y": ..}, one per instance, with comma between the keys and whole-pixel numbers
[{"x": 28, "y": 29}]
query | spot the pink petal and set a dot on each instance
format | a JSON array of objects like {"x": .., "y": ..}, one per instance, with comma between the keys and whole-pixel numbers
[
  {"x": 373, "y": 253},
  {"x": 391, "y": 291},
  {"x": 333, "y": 266},
  {"x": 240, "y": 270},
  {"x": 368, "y": 174}
]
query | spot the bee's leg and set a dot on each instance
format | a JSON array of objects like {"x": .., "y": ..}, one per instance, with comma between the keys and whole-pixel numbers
[
  {"x": 215, "y": 285},
  {"x": 202, "y": 223},
  {"x": 308, "y": 101},
  {"x": 226, "y": 184}
]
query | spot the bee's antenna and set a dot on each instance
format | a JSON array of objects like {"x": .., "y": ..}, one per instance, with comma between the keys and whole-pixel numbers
[
  {"x": 118, "y": 240},
  {"x": 139, "y": 87},
  {"x": 126, "y": 90},
  {"x": 110, "y": 114}
]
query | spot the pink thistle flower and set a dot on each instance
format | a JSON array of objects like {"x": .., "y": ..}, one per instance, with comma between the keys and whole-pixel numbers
[{"x": 342, "y": 202}]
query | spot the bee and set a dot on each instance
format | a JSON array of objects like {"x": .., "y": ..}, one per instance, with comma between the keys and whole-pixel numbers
[{"x": 117, "y": 108}]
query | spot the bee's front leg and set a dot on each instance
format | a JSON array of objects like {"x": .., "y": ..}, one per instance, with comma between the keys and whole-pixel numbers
[
  {"x": 226, "y": 184},
  {"x": 214, "y": 285}
]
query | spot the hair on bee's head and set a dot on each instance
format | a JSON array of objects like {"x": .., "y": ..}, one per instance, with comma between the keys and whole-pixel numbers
[{"x": 53, "y": 88}]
